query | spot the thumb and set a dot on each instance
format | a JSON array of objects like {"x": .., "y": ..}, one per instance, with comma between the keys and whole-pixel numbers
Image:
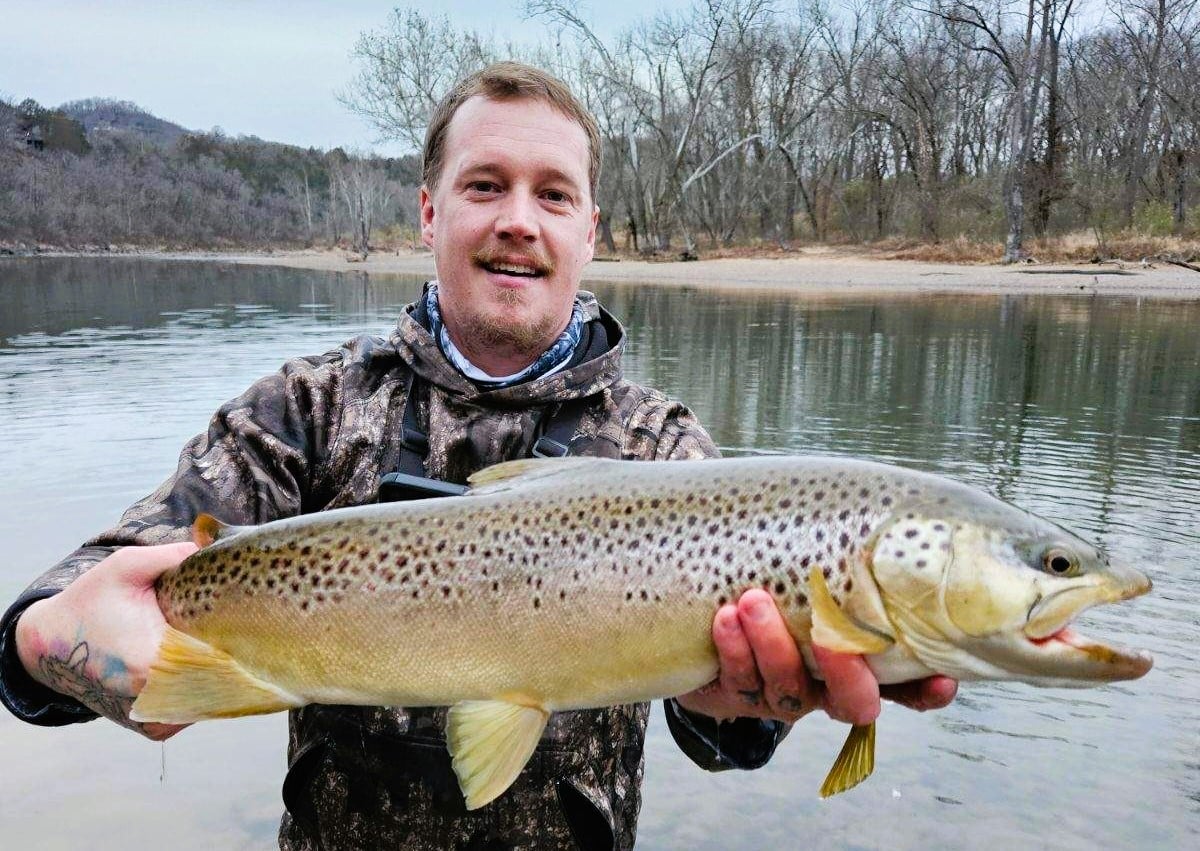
[{"x": 143, "y": 565}]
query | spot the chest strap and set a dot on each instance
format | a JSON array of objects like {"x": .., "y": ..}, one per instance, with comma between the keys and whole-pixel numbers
[{"x": 410, "y": 482}]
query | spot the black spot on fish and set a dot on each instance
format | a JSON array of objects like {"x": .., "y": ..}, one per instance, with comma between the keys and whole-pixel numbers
[{"x": 911, "y": 533}]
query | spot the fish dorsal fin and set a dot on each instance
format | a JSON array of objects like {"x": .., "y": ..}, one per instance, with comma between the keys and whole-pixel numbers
[
  {"x": 208, "y": 529},
  {"x": 833, "y": 629},
  {"x": 193, "y": 681},
  {"x": 854, "y": 763},
  {"x": 504, "y": 474},
  {"x": 490, "y": 742}
]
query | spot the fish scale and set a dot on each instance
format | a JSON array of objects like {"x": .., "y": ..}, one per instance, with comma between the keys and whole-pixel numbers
[{"x": 576, "y": 583}]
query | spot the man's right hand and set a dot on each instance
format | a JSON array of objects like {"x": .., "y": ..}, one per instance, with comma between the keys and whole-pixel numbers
[{"x": 95, "y": 640}]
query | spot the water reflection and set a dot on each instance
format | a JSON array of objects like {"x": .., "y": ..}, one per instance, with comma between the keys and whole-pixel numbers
[{"x": 1086, "y": 410}]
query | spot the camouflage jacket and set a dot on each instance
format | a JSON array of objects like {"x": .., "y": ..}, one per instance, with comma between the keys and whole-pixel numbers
[{"x": 317, "y": 435}]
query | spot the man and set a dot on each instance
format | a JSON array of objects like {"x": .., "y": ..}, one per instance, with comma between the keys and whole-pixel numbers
[{"x": 503, "y": 355}]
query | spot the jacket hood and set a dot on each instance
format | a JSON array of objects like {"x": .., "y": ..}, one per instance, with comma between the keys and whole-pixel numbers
[{"x": 601, "y": 368}]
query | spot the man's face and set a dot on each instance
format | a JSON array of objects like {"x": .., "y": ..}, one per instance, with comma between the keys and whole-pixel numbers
[{"x": 511, "y": 224}]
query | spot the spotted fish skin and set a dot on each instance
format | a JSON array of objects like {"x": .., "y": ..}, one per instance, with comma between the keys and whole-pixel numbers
[{"x": 567, "y": 584}]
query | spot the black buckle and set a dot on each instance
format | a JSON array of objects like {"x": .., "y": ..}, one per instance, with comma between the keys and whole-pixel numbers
[
  {"x": 399, "y": 487},
  {"x": 548, "y": 447},
  {"x": 414, "y": 440}
]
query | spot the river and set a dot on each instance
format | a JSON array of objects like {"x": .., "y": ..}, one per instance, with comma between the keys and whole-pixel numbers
[{"x": 1084, "y": 409}]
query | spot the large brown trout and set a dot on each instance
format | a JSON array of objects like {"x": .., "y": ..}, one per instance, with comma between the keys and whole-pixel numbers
[{"x": 576, "y": 583}]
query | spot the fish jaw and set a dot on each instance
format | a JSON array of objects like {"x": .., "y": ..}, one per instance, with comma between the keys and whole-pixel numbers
[{"x": 1061, "y": 649}]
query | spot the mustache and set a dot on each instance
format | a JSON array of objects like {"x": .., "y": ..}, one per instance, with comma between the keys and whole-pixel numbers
[{"x": 536, "y": 260}]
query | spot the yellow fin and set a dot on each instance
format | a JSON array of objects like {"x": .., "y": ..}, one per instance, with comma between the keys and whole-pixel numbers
[
  {"x": 490, "y": 741},
  {"x": 505, "y": 471},
  {"x": 193, "y": 681},
  {"x": 832, "y": 628},
  {"x": 855, "y": 762}
]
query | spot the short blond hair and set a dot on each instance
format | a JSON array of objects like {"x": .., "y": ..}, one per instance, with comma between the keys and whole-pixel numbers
[{"x": 507, "y": 81}]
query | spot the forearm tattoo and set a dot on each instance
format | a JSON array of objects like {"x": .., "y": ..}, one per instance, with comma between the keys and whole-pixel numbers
[{"x": 102, "y": 684}]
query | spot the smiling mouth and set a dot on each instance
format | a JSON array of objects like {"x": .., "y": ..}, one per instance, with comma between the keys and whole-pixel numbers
[{"x": 514, "y": 267}]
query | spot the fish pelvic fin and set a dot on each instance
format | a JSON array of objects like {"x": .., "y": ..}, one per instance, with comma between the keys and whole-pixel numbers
[
  {"x": 490, "y": 741},
  {"x": 207, "y": 529},
  {"x": 855, "y": 762},
  {"x": 194, "y": 681},
  {"x": 834, "y": 629}
]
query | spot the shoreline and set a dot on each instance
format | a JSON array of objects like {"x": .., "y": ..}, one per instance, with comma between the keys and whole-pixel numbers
[{"x": 817, "y": 271}]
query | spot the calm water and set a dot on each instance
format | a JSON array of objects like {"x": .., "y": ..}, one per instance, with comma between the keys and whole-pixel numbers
[{"x": 1085, "y": 410}]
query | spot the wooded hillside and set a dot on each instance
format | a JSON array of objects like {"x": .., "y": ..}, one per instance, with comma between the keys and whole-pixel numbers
[{"x": 99, "y": 172}]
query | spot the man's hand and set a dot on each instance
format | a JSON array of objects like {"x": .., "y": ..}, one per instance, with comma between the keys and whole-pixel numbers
[
  {"x": 95, "y": 641},
  {"x": 762, "y": 674}
]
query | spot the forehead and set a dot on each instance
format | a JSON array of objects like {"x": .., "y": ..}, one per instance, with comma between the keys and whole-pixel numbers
[{"x": 525, "y": 134}]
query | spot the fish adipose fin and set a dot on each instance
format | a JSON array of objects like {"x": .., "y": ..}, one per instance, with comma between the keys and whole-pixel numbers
[
  {"x": 207, "y": 529},
  {"x": 490, "y": 742},
  {"x": 833, "y": 629},
  {"x": 194, "y": 681},
  {"x": 855, "y": 762}
]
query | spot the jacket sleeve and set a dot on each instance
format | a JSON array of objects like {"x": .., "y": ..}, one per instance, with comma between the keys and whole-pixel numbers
[
  {"x": 744, "y": 743},
  {"x": 256, "y": 462}
]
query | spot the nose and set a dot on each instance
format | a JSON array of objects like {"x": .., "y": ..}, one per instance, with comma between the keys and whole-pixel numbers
[{"x": 516, "y": 218}]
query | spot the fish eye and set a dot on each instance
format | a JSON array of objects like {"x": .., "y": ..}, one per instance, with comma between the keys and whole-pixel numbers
[{"x": 1060, "y": 562}]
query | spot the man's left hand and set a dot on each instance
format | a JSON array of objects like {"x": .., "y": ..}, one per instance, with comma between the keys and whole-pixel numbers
[{"x": 763, "y": 675}]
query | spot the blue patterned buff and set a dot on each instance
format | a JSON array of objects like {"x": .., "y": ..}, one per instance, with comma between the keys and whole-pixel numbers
[{"x": 550, "y": 361}]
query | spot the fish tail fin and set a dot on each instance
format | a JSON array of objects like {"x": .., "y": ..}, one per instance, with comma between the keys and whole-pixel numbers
[
  {"x": 490, "y": 741},
  {"x": 855, "y": 762},
  {"x": 206, "y": 529},
  {"x": 194, "y": 681}
]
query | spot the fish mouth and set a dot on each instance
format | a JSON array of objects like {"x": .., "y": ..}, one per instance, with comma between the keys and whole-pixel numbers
[{"x": 1049, "y": 632}]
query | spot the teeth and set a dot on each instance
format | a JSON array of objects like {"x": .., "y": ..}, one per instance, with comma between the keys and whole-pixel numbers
[{"x": 513, "y": 268}]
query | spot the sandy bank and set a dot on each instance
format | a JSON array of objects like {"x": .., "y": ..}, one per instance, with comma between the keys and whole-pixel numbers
[{"x": 821, "y": 272}]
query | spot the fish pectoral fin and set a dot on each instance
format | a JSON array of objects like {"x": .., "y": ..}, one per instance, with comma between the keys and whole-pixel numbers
[
  {"x": 207, "y": 529},
  {"x": 833, "y": 629},
  {"x": 490, "y": 742},
  {"x": 855, "y": 762},
  {"x": 500, "y": 476},
  {"x": 194, "y": 681}
]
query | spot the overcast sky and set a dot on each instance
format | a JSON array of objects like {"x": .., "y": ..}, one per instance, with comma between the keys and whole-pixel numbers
[{"x": 268, "y": 68}]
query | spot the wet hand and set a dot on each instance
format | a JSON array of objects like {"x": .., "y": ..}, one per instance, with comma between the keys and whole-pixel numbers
[
  {"x": 763, "y": 675},
  {"x": 95, "y": 640}
]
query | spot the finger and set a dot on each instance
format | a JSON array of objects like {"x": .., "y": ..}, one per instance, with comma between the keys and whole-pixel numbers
[
  {"x": 780, "y": 666},
  {"x": 852, "y": 692},
  {"x": 739, "y": 674},
  {"x": 142, "y": 565},
  {"x": 161, "y": 732},
  {"x": 931, "y": 693}
]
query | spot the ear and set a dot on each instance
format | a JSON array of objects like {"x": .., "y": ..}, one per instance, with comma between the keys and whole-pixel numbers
[
  {"x": 591, "y": 237},
  {"x": 426, "y": 202}
]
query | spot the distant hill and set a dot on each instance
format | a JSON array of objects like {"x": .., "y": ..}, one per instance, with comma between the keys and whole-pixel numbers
[{"x": 107, "y": 113}]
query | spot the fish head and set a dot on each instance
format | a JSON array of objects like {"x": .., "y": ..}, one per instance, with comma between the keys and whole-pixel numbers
[{"x": 983, "y": 590}]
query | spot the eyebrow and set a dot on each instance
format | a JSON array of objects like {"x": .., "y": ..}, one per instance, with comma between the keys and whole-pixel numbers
[{"x": 490, "y": 168}]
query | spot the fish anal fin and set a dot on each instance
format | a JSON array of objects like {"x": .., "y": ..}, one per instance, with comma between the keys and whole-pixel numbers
[
  {"x": 194, "y": 681},
  {"x": 854, "y": 763},
  {"x": 490, "y": 741},
  {"x": 834, "y": 629}
]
